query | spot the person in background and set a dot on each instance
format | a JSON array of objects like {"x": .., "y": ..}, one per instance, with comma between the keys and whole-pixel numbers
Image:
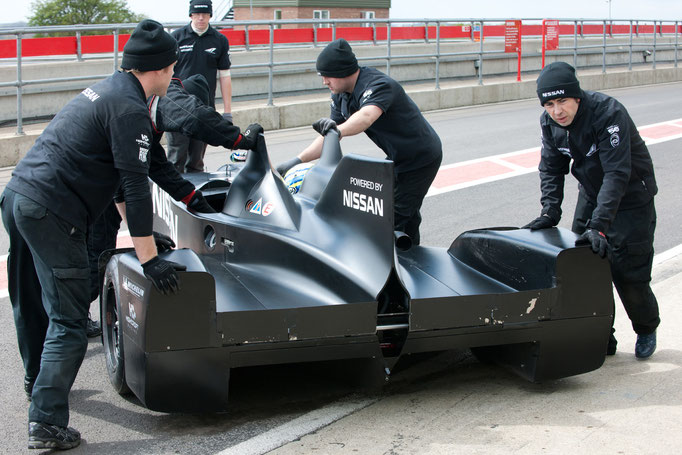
[
  {"x": 202, "y": 50},
  {"x": 592, "y": 134},
  {"x": 366, "y": 100}
]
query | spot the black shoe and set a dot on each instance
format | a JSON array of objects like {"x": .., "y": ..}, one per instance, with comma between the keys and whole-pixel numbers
[
  {"x": 611, "y": 347},
  {"x": 45, "y": 436},
  {"x": 93, "y": 328},
  {"x": 28, "y": 387},
  {"x": 645, "y": 346}
]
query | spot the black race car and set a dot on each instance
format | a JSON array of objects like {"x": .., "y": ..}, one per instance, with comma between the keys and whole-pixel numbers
[{"x": 321, "y": 275}]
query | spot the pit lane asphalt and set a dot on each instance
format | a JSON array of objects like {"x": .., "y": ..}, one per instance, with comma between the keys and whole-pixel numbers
[{"x": 444, "y": 403}]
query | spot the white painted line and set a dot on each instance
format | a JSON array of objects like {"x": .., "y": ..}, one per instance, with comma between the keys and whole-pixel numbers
[
  {"x": 667, "y": 255},
  {"x": 520, "y": 170},
  {"x": 649, "y": 141},
  {"x": 433, "y": 191},
  {"x": 299, "y": 427}
]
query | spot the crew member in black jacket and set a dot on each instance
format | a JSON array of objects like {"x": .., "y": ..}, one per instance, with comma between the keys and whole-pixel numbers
[
  {"x": 615, "y": 213},
  {"x": 183, "y": 110},
  {"x": 99, "y": 141},
  {"x": 366, "y": 100}
]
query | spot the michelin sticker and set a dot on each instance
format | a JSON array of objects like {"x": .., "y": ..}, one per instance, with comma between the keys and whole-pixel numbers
[{"x": 132, "y": 287}]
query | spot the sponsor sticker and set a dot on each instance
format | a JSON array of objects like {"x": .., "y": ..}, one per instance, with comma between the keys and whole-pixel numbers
[{"x": 259, "y": 208}]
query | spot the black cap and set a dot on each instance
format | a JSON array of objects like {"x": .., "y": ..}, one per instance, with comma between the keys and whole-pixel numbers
[
  {"x": 197, "y": 85},
  {"x": 557, "y": 80},
  {"x": 149, "y": 48},
  {"x": 337, "y": 60},
  {"x": 201, "y": 6}
]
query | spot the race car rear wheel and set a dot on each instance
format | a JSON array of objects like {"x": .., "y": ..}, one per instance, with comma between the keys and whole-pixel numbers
[{"x": 112, "y": 333}]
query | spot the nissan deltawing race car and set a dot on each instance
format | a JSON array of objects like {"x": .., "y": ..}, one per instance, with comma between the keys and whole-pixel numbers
[{"x": 321, "y": 275}]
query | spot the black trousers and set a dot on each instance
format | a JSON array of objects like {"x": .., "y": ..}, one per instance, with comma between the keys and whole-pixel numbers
[
  {"x": 48, "y": 279},
  {"x": 186, "y": 154},
  {"x": 408, "y": 195},
  {"x": 631, "y": 239}
]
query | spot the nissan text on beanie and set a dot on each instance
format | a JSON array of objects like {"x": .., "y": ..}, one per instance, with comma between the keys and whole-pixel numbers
[
  {"x": 337, "y": 60},
  {"x": 557, "y": 80},
  {"x": 149, "y": 48},
  {"x": 201, "y": 6}
]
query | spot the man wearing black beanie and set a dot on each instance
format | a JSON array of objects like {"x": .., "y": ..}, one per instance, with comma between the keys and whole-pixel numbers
[
  {"x": 366, "y": 100},
  {"x": 205, "y": 51},
  {"x": 101, "y": 139},
  {"x": 185, "y": 110},
  {"x": 593, "y": 134}
]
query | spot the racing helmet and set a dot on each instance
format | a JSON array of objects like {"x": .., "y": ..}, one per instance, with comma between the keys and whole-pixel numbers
[
  {"x": 294, "y": 176},
  {"x": 238, "y": 156}
]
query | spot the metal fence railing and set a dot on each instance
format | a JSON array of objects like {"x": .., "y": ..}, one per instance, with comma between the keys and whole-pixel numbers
[{"x": 648, "y": 37}]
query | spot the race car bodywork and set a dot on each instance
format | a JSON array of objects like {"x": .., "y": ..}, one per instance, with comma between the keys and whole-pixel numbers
[{"x": 321, "y": 275}]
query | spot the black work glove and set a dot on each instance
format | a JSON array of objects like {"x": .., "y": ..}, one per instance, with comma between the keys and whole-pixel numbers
[
  {"x": 325, "y": 124},
  {"x": 541, "y": 222},
  {"x": 163, "y": 274},
  {"x": 198, "y": 203},
  {"x": 284, "y": 167},
  {"x": 249, "y": 137},
  {"x": 163, "y": 242},
  {"x": 596, "y": 239}
]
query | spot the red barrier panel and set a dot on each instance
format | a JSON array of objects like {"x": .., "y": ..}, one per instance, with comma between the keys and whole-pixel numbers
[
  {"x": 297, "y": 35},
  {"x": 356, "y": 33},
  {"x": 103, "y": 43},
  {"x": 8, "y": 48},
  {"x": 235, "y": 37},
  {"x": 408, "y": 33},
  {"x": 451, "y": 32},
  {"x": 63, "y": 45}
]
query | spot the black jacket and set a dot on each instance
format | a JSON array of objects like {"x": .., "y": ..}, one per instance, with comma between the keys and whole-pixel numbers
[
  {"x": 73, "y": 167},
  {"x": 610, "y": 160},
  {"x": 205, "y": 54},
  {"x": 181, "y": 112},
  {"x": 401, "y": 131}
]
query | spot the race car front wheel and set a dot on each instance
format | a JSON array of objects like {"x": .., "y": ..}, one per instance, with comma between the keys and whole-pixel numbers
[{"x": 112, "y": 333}]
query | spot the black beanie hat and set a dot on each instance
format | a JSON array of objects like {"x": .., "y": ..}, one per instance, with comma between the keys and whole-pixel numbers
[
  {"x": 197, "y": 85},
  {"x": 201, "y": 6},
  {"x": 557, "y": 80},
  {"x": 337, "y": 60},
  {"x": 149, "y": 48}
]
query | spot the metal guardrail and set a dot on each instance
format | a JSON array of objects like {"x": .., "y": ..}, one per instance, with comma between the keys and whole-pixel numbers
[{"x": 476, "y": 27}]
